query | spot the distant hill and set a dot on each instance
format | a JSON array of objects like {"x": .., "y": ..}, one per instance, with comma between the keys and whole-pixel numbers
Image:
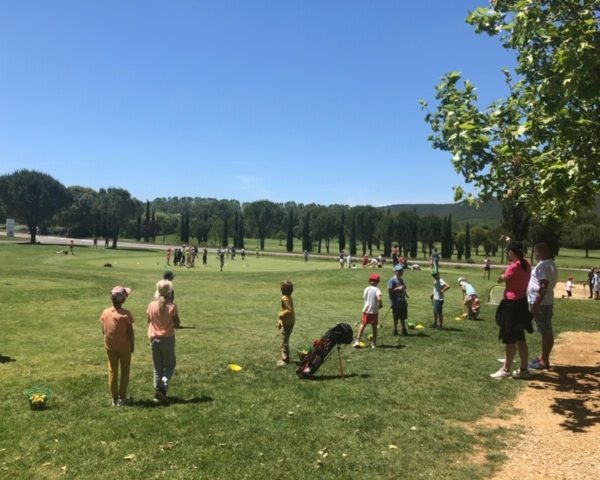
[{"x": 488, "y": 213}]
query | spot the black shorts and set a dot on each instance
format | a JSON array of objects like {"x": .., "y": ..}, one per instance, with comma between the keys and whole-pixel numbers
[
  {"x": 513, "y": 318},
  {"x": 400, "y": 310}
]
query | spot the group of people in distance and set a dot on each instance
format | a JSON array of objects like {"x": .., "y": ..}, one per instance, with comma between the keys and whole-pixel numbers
[{"x": 119, "y": 342}]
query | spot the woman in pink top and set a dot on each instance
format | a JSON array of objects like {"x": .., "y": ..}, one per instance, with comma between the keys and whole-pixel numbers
[
  {"x": 163, "y": 318},
  {"x": 512, "y": 315}
]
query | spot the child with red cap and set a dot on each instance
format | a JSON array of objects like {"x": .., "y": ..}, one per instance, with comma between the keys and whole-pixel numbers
[{"x": 370, "y": 311}]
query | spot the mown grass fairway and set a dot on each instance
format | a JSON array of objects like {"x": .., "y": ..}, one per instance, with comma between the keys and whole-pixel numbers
[{"x": 398, "y": 414}]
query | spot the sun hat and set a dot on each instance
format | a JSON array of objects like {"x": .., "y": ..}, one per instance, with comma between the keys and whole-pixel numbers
[
  {"x": 374, "y": 277},
  {"x": 168, "y": 275},
  {"x": 461, "y": 279},
  {"x": 398, "y": 268},
  {"x": 120, "y": 293}
]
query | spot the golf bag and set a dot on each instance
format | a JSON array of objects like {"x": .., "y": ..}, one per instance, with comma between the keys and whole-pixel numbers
[{"x": 340, "y": 334}]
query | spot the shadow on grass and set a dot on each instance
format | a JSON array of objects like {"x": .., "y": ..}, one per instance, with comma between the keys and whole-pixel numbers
[
  {"x": 4, "y": 359},
  {"x": 322, "y": 378},
  {"x": 584, "y": 381},
  {"x": 383, "y": 345},
  {"x": 172, "y": 400},
  {"x": 450, "y": 329},
  {"x": 185, "y": 327}
]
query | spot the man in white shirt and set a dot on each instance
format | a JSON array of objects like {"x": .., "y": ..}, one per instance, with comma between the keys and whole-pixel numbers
[{"x": 540, "y": 295}]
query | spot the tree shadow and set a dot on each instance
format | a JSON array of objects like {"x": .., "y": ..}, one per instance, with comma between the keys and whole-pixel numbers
[
  {"x": 5, "y": 359},
  {"x": 584, "y": 381},
  {"x": 172, "y": 401}
]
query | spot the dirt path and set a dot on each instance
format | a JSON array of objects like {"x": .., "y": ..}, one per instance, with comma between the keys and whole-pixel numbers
[{"x": 559, "y": 415}]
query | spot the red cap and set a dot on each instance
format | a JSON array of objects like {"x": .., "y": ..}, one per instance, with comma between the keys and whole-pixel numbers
[{"x": 374, "y": 278}]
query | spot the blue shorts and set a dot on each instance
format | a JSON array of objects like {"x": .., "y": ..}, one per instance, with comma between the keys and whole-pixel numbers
[{"x": 438, "y": 307}]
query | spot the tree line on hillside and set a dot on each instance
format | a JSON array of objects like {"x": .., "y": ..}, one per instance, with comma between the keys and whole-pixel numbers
[{"x": 43, "y": 204}]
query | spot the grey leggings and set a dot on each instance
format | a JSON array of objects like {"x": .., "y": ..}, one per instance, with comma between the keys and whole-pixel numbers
[{"x": 163, "y": 359}]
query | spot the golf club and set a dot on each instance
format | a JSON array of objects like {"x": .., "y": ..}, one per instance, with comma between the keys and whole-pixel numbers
[{"x": 384, "y": 317}]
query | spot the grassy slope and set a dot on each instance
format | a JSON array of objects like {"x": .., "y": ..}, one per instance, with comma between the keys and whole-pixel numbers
[{"x": 263, "y": 422}]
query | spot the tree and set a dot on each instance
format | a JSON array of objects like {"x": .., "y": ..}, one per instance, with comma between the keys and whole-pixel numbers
[
  {"x": 82, "y": 218},
  {"x": 467, "y": 242},
  {"x": 32, "y": 198},
  {"x": 289, "y": 244},
  {"x": 447, "y": 238},
  {"x": 539, "y": 146},
  {"x": 117, "y": 207},
  {"x": 430, "y": 230},
  {"x": 263, "y": 218},
  {"x": 353, "y": 235},
  {"x": 342, "y": 231},
  {"x": 459, "y": 244},
  {"x": 587, "y": 237},
  {"x": 306, "y": 240}
]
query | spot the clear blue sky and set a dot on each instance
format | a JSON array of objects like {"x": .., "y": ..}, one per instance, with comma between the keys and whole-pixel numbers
[{"x": 288, "y": 100}]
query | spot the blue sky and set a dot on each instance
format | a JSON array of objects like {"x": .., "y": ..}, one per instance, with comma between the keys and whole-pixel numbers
[{"x": 305, "y": 101}]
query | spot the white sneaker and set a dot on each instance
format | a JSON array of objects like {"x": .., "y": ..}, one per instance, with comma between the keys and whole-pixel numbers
[
  {"x": 373, "y": 345},
  {"x": 500, "y": 374},
  {"x": 356, "y": 343},
  {"x": 521, "y": 374}
]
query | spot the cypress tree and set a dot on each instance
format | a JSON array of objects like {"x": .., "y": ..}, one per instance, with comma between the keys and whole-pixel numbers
[
  {"x": 289, "y": 243},
  {"x": 353, "y": 236},
  {"x": 468, "y": 242},
  {"x": 342, "y": 234},
  {"x": 306, "y": 241}
]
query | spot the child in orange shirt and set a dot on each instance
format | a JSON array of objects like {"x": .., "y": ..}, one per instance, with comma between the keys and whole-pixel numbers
[{"x": 117, "y": 328}]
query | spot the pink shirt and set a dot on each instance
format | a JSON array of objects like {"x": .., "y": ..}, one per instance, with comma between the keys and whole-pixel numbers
[
  {"x": 517, "y": 280},
  {"x": 160, "y": 324}
]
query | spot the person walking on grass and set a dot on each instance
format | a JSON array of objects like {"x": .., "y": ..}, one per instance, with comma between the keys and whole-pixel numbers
[
  {"x": 285, "y": 321},
  {"x": 512, "y": 315},
  {"x": 370, "y": 311},
  {"x": 163, "y": 318},
  {"x": 487, "y": 267},
  {"x": 117, "y": 328},
  {"x": 540, "y": 295},
  {"x": 437, "y": 300},
  {"x": 397, "y": 293}
]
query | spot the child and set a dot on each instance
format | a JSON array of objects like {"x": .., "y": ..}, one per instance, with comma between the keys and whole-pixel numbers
[
  {"x": 117, "y": 328},
  {"x": 286, "y": 320},
  {"x": 470, "y": 302},
  {"x": 163, "y": 318},
  {"x": 370, "y": 311},
  {"x": 437, "y": 299},
  {"x": 569, "y": 287}
]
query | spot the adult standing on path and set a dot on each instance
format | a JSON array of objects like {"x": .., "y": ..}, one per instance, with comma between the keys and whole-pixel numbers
[
  {"x": 540, "y": 295},
  {"x": 512, "y": 315}
]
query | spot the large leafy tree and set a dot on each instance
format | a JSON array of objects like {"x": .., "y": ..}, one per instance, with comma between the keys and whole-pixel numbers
[
  {"x": 32, "y": 197},
  {"x": 117, "y": 207},
  {"x": 540, "y": 146}
]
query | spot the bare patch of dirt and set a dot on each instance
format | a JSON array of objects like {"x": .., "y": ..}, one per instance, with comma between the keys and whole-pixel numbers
[
  {"x": 579, "y": 291},
  {"x": 558, "y": 416}
]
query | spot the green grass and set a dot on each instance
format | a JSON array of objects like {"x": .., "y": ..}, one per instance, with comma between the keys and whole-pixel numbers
[{"x": 416, "y": 393}]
